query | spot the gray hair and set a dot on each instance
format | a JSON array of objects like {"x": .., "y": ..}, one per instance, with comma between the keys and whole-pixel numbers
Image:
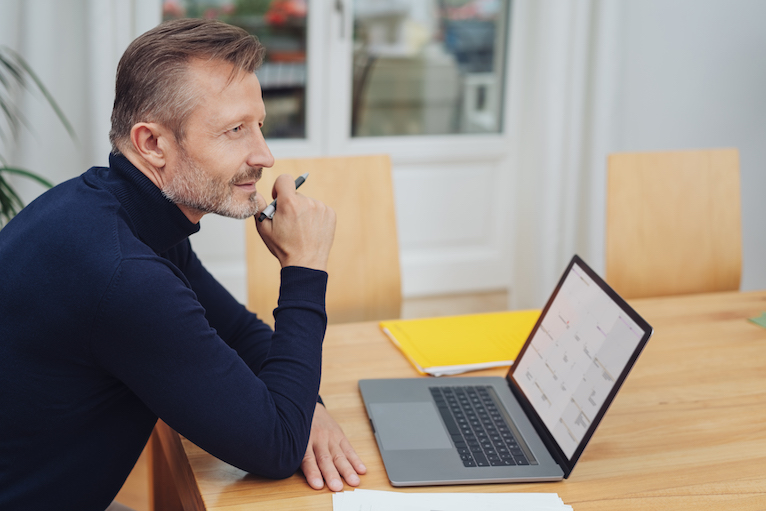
[{"x": 152, "y": 84}]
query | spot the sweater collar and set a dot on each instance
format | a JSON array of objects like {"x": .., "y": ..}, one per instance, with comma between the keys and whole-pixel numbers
[{"x": 158, "y": 222}]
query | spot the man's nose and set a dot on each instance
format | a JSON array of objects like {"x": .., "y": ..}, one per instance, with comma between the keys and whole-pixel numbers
[{"x": 261, "y": 155}]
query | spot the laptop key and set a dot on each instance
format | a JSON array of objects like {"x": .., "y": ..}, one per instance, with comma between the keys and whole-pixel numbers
[
  {"x": 481, "y": 460},
  {"x": 449, "y": 422}
]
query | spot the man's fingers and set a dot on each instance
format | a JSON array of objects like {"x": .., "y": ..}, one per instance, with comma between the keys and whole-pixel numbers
[
  {"x": 353, "y": 458},
  {"x": 261, "y": 201},
  {"x": 332, "y": 468},
  {"x": 319, "y": 466},
  {"x": 329, "y": 455},
  {"x": 302, "y": 230},
  {"x": 282, "y": 184},
  {"x": 327, "y": 465},
  {"x": 311, "y": 472},
  {"x": 343, "y": 467}
]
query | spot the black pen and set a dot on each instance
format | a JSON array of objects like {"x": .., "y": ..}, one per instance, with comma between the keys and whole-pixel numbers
[{"x": 271, "y": 208}]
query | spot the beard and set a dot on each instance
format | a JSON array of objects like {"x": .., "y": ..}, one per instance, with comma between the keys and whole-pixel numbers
[{"x": 195, "y": 188}]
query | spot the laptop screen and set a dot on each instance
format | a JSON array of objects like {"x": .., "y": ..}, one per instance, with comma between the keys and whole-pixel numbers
[{"x": 577, "y": 357}]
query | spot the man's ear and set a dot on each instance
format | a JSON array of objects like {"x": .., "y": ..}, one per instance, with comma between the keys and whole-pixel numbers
[{"x": 150, "y": 141}]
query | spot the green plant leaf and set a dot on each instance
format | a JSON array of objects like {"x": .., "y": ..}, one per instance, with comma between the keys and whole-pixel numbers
[
  {"x": 14, "y": 118},
  {"x": 10, "y": 202},
  {"x": 51, "y": 101},
  {"x": 28, "y": 174},
  {"x": 9, "y": 64},
  {"x": 14, "y": 71}
]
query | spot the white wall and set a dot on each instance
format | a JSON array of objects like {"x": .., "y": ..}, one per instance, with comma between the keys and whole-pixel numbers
[
  {"x": 694, "y": 76},
  {"x": 73, "y": 47}
]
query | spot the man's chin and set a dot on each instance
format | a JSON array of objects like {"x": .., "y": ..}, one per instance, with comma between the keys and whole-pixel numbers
[
  {"x": 229, "y": 206},
  {"x": 238, "y": 211}
]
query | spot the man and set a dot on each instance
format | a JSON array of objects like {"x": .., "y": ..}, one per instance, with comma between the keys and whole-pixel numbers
[{"x": 108, "y": 320}]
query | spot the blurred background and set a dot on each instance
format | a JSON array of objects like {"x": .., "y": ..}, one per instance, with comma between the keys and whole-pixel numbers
[{"x": 498, "y": 115}]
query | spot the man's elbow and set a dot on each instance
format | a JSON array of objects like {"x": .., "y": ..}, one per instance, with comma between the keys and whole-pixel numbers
[
  {"x": 283, "y": 472},
  {"x": 281, "y": 465}
]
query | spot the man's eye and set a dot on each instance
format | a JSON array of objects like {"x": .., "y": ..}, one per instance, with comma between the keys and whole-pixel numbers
[{"x": 236, "y": 129}]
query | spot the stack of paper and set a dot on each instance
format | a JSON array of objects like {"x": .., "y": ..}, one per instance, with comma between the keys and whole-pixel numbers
[
  {"x": 456, "y": 344},
  {"x": 373, "y": 500}
]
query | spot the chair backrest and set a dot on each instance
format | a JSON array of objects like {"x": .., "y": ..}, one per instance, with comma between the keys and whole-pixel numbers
[
  {"x": 364, "y": 274},
  {"x": 673, "y": 222}
]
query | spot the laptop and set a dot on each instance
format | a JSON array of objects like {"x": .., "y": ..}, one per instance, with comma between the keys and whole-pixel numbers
[{"x": 532, "y": 425}]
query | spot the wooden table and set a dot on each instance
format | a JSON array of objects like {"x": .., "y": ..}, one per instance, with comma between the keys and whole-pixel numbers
[{"x": 687, "y": 430}]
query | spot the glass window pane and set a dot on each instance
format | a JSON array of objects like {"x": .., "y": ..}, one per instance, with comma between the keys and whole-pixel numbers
[
  {"x": 281, "y": 26},
  {"x": 428, "y": 67}
]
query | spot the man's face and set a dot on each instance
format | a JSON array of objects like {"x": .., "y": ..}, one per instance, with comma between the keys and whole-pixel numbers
[{"x": 216, "y": 167}]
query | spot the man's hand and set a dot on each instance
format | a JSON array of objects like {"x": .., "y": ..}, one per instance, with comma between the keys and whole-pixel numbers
[
  {"x": 302, "y": 230},
  {"x": 329, "y": 455}
]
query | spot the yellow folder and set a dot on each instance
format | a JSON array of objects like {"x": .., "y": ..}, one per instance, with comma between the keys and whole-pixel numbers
[{"x": 456, "y": 344}]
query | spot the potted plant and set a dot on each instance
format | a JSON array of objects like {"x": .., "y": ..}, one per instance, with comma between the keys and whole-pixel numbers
[{"x": 15, "y": 73}]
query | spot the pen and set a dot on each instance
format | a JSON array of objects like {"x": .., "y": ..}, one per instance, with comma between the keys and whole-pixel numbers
[{"x": 271, "y": 208}]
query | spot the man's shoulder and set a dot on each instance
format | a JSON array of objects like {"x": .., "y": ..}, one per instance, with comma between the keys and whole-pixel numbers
[
  {"x": 74, "y": 204},
  {"x": 79, "y": 223}
]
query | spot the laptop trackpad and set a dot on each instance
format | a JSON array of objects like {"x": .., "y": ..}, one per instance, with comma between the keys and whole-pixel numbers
[{"x": 408, "y": 426}]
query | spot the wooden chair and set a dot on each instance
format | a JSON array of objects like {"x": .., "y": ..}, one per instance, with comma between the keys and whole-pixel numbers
[
  {"x": 364, "y": 282},
  {"x": 673, "y": 222}
]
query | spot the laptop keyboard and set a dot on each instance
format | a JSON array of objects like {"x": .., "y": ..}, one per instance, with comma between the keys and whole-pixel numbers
[{"x": 478, "y": 429}]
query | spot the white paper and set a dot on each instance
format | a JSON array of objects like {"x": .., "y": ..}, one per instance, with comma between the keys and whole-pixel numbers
[{"x": 374, "y": 500}]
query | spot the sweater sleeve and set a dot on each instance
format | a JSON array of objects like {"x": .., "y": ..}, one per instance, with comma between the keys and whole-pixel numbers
[
  {"x": 237, "y": 326},
  {"x": 152, "y": 333}
]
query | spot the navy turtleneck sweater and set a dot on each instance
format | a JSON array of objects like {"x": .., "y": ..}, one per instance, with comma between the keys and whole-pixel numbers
[{"x": 108, "y": 320}]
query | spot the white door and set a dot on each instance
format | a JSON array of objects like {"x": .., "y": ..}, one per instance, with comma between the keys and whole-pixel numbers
[{"x": 424, "y": 81}]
